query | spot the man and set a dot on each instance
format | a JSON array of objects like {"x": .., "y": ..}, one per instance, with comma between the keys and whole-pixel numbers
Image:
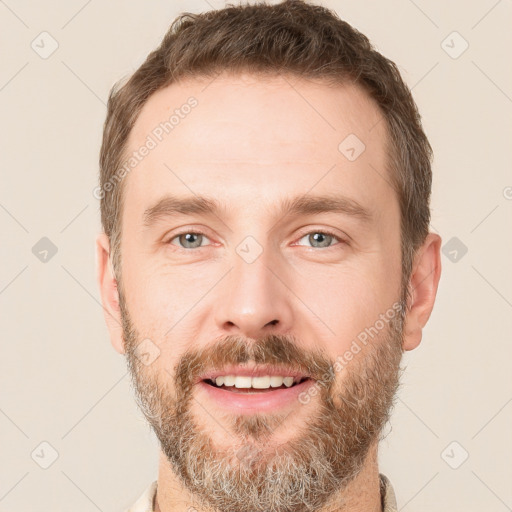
[{"x": 266, "y": 258}]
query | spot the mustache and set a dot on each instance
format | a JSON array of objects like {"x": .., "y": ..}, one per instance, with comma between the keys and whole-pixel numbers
[{"x": 275, "y": 350}]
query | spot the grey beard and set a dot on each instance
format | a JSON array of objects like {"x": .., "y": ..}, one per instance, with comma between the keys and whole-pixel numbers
[{"x": 305, "y": 473}]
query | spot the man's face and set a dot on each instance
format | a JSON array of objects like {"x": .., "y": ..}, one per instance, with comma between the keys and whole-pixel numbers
[{"x": 259, "y": 290}]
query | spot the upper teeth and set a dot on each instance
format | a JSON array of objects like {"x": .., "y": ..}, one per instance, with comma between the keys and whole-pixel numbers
[{"x": 264, "y": 382}]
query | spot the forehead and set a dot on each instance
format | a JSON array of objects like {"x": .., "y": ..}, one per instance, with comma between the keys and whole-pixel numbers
[{"x": 246, "y": 138}]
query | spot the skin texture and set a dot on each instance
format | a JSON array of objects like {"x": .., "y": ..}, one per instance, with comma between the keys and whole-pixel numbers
[{"x": 251, "y": 143}]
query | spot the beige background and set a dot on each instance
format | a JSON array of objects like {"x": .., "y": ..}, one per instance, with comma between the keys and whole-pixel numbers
[{"x": 60, "y": 380}]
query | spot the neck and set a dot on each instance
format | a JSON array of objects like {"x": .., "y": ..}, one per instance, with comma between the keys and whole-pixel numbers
[{"x": 362, "y": 494}]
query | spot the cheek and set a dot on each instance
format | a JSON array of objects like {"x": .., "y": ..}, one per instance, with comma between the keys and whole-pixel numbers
[
  {"x": 345, "y": 300},
  {"x": 162, "y": 294}
]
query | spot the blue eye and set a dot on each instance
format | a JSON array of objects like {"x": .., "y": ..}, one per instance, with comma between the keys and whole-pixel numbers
[
  {"x": 189, "y": 240},
  {"x": 321, "y": 239},
  {"x": 194, "y": 239}
]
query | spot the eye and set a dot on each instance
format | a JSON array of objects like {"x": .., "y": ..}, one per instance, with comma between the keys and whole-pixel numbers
[
  {"x": 321, "y": 239},
  {"x": 189, "y": 239}
]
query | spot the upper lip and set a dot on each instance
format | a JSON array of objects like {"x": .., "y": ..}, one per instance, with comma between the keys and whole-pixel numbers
[{"x": 254, "y": 371}]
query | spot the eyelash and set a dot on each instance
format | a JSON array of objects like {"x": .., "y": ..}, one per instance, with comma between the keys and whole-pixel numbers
[{"x": 314, "y": 231}]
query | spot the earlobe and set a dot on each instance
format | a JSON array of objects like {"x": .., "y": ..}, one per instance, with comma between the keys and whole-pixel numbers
[
  {"x": 109, "y": 293},
  {"x": 423, "y": 285}
]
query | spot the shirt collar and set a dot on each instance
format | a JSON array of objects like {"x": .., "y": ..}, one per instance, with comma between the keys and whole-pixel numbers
[{"x": 387, "y": 494}]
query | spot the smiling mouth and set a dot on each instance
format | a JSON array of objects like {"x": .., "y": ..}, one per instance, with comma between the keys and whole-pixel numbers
[{"x": 254, "y": 385}]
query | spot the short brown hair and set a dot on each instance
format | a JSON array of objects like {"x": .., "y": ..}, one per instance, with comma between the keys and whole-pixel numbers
[{"x": 291, "y": 37}]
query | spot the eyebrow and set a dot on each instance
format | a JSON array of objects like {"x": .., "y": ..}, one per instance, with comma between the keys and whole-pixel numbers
[{"x": 169, "y": 206}]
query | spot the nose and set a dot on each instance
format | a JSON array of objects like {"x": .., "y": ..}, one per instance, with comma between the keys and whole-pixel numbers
[{"x": 254, "y": 300}]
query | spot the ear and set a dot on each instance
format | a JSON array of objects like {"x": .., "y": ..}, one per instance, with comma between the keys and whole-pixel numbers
[
  {"x": 423, "y": 286},
  {"x": 109, "y": 294}
]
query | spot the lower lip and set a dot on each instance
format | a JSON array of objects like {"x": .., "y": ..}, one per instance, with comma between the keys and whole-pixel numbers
[{"x": 257, "y": 401}]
